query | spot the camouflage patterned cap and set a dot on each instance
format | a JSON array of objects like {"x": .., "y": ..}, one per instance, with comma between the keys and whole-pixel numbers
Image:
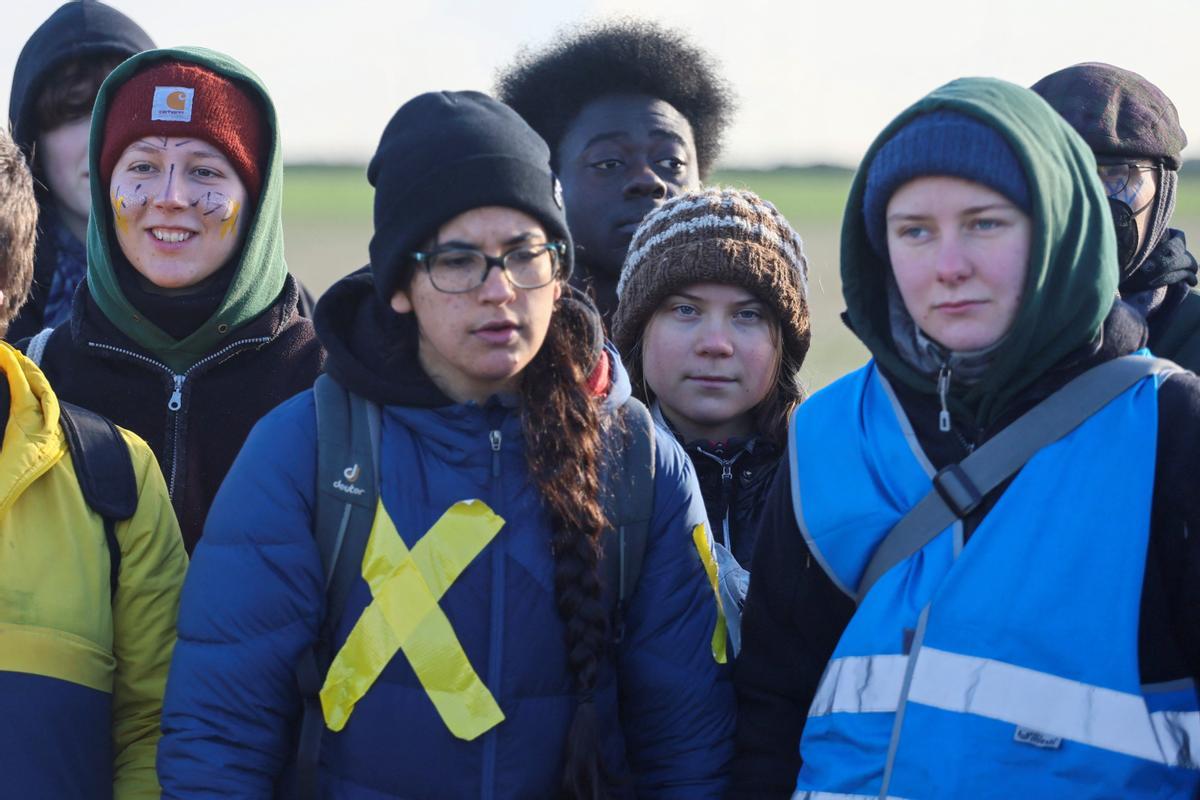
[{"x": 1117, "y": 112}]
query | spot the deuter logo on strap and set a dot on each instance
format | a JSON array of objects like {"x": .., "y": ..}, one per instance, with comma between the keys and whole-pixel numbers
[
  {"x": 351, "y": 474},
  {"x": 172, "y": 103},
  {"x": 1028, "y": 736}
]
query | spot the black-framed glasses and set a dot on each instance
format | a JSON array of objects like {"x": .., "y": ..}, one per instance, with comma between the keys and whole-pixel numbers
[{"x": 460, "y": 269}]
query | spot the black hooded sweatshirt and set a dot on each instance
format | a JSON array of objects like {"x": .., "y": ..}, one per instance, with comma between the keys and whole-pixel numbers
[{"x": 78, "y": 29}]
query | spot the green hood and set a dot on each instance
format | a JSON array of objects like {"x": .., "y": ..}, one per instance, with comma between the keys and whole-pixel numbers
[
  {"x": 1072, "y": 280},
  {"x": 260, "y": 272}
]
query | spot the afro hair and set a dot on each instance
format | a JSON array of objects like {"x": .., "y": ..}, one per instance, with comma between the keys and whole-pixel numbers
[{"x": 627, "y": 56}]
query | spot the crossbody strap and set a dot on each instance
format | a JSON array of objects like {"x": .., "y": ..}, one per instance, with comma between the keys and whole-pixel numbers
[{"x": 960, "y": 488}]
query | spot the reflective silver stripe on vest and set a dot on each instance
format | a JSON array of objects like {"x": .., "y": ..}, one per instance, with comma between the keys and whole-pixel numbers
[
  {"x": 860, "y": 684},
  {"x": 1054, "y": 706}
]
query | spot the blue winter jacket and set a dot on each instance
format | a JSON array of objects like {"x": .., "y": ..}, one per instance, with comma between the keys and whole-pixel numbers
[{"x": 253, "y": 602}]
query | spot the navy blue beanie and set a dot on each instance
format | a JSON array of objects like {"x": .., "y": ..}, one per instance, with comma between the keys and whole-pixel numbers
[
  {"x": 444, "y": 153},
  {"x": 940, "y": 143}
]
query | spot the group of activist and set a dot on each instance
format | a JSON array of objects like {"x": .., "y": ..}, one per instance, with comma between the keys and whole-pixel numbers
[{"x": 535, "y": 504}]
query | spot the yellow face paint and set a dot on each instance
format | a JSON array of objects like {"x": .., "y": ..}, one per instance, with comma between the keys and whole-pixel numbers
[
  {"x": 705, "y": 548},
  {"x": 118, "y": 204},
  {"x": 230, "y": 222},
  {"x": 404, "y": 616}
]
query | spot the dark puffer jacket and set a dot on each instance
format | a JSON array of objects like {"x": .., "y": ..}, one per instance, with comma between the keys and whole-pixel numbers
[{"x": 253, "y": 603}]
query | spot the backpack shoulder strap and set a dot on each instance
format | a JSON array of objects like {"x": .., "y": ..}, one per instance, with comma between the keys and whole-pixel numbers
[
  {"x": 959, "y": 488},
  {"x": 347, "y": 492},
  {"x": 37, "y": 345},
  {"x": 630, "y": 503},
  {"x": 104, "y": 469},
  {"x": 348, "y": 429}
]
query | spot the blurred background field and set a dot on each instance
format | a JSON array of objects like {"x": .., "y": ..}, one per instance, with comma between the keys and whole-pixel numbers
[{"x": 327, "y": 224}]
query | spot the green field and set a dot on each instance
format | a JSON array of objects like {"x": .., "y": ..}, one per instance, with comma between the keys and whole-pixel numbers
[{"x": 327, "y": 223}]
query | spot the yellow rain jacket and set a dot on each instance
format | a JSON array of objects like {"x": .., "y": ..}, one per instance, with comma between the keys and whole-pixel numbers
[{"x": 82, "y": 671}]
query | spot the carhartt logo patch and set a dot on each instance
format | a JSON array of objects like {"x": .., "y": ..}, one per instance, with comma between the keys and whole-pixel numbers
[
  {"x": 1029, "y": 736},
  {"x": 172, "y": 103}
]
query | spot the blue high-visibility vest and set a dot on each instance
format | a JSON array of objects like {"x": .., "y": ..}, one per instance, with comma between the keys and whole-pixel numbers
[{"x": 1008, "y": 668}]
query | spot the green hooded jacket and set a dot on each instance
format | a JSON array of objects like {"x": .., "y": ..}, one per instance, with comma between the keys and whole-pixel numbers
[
  {"x": 1072, "y": 279},
  {"x": 261, "y": 270}
]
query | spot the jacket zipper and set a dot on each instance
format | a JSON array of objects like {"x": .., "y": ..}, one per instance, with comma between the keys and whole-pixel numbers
[
  {"x": 487, "y": 784},
  {"x": 175, "y": 402},
  {"x": 495, "y": 438},
  {"x": 943, "y": 389},
  {"x": 726, "y": 489}
]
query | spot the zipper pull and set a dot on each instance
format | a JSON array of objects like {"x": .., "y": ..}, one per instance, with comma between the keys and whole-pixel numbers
[
  {"x": 943, "y": 388},
  {"x": 494, "y": 438},
  {"x": 726, "y": 472},
  {"x": 176, "y": 401}
]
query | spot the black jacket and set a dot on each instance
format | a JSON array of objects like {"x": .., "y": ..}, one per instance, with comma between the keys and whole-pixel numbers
[
  {"x": 76, "y": 29},
  {"x": 195, "y": 423},
  {"x": 794, "y": 614},
  {"x": 734, "y": 479}
]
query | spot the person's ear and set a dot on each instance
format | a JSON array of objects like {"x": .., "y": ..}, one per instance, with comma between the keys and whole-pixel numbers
[
  {"x": 401, "y": 302},
  {"x": 558, "y": 290}
]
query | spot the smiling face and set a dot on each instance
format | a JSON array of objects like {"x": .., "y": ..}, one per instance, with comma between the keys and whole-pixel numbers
[
  {"x": 476, "y": 343},
  {"x": 959, "y": 252},
  {"x": 710, "y": 354},
  {"x": 177, "y": 207},
  {"x": 622, "y": 156}
]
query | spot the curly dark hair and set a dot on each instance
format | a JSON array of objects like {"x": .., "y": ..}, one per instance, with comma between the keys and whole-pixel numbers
[{"x": 549, "y": 87}]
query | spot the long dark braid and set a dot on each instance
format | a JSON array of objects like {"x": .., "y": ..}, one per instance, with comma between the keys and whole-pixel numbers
[{"x": 562, "y": 426}]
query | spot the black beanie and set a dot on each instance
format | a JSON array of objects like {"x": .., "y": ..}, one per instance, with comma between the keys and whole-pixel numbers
[{"x": 444, "y": 153}]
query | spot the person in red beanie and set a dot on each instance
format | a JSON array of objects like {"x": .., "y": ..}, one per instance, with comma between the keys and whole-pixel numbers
[{"x": 187, "y": 330}]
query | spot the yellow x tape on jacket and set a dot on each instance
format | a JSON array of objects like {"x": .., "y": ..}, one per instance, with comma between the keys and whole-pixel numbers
[
  {"x": 705, "y": 548},
  {"x": 404, "y": 615}
]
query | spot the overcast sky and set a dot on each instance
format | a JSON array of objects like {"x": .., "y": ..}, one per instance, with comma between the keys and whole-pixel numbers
[{"x": 815, "y": 81}]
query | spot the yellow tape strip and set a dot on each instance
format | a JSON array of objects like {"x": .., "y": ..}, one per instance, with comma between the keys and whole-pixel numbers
[
  {"x": 404, "y": 615},
  {"x": 707, "y": 557}
]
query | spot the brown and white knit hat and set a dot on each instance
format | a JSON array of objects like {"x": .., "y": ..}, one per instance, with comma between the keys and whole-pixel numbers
[{"x": 715, "y": 235}]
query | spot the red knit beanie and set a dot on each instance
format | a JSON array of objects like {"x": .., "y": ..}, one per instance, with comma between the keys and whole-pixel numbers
[{"x": 177, "y": 98}]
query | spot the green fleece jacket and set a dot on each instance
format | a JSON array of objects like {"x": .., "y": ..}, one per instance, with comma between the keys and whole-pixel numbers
[
  {"x": 261, "y": 270},
  {"x": 1072, "y": 280}
]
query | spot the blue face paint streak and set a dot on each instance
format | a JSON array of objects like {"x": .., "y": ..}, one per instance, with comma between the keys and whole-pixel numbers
[{"x": 170, "y": 180}]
